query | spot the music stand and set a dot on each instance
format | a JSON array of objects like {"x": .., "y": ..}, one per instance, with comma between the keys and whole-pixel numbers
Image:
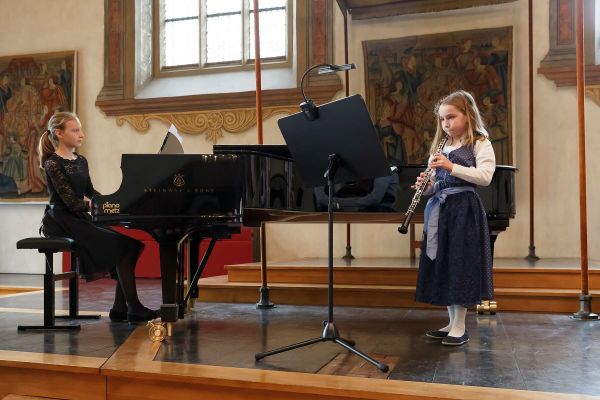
[{"x": 340, "y": 146}]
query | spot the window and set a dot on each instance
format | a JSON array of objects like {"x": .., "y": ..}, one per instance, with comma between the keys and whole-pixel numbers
[{"x": 195, "y": 35}]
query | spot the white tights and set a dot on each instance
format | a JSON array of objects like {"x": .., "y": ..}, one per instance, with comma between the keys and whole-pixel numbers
[{"x": 456, "y": 326}]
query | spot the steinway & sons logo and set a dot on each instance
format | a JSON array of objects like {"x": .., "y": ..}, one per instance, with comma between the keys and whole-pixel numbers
[
  {"x": 111, "y": 208},
  {"x": 177, "y": 186},
  {"x": 178, "y": 180}
]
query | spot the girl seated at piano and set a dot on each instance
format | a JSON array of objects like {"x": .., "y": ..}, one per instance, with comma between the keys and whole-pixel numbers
[
  {"x": 100, "y": 251},
  {"x": 455, "y": 268}
]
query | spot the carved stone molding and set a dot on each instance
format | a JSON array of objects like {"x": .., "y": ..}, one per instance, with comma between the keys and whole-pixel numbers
[
  {"x": 559, "y": 63},
  {"x": 593, "y": 91},
  {"x": 211, "y": 123},
  {"x": 367, "y": 9},
  {"x": 219, "y": 101}
]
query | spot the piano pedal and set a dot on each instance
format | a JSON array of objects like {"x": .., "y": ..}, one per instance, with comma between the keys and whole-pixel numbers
[
  {"x": 487, "y": 306},
  {"x": 158, "y": 330}
]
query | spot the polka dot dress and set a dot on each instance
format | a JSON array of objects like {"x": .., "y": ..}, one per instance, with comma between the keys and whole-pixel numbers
[{"x": 462, "y": 271}]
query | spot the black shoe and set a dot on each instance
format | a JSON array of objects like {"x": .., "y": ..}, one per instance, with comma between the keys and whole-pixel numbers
[
  {"x": 143, "y": 316},
  {"x": 456, "y": 341},
  {"x": 117, "y": 316},
  {"x": 436, "y": 334}
]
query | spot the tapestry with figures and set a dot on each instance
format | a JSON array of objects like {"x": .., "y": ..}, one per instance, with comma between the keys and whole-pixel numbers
[
  {"x": 32, "y": 88},
  {"x": 406, "y": 77}
]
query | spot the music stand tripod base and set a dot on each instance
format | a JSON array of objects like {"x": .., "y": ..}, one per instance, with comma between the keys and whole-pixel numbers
[{"x": 330, "y": 333}]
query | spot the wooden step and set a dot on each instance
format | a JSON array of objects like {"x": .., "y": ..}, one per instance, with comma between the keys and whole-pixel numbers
[
  {"x": 401, "y": 272},
  {"x": 29, "y": 375},
  {"x": 219, "y": 289}
]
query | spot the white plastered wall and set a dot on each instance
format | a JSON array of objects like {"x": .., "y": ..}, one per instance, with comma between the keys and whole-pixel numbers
[{"x": 32, "y": 26}]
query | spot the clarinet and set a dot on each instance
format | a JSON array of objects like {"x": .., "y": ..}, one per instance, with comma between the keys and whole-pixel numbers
[{"x": 417, "y": 196}]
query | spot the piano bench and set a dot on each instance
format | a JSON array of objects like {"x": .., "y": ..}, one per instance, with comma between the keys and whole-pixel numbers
[{"x": 49, "y": 246}]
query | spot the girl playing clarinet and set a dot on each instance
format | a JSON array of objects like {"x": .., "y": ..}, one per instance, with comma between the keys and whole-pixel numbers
[{"x": 455, "y": 268}]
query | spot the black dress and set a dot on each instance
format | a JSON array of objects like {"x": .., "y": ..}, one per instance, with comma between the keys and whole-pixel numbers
[{"x": 98, "y": 249}]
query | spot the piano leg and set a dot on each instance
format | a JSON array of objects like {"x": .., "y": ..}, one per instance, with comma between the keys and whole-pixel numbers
[
  {"x": 493, "y": 237},
  {"x": 193, "y": 280},
  {"x": 193, "y": 250},
  {"x": 168, "y": 272},
  {"x": 489, "y": 306}
]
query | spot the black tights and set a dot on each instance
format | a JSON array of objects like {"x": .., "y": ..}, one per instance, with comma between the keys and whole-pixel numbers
[{"x": 126, "y": 297}]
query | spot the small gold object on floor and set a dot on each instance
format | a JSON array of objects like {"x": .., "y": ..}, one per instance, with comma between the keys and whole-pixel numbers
[{"x": 487, "y": 306}]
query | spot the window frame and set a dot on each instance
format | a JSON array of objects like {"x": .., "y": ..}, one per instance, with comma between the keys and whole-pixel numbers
[
  {"x": 313, "y": 44},
  {"x": 202, "y": 67}
]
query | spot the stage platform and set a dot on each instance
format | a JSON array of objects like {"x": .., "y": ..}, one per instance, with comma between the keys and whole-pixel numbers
[
  {"x": 211, "y": 353},
  {"x": 548, "y": 285}
]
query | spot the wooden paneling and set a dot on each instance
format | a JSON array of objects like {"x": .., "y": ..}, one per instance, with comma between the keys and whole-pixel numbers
[
  {"x": 130, "y": 389},
  {"x": 550, "y": 289},
  {"x": 132, "y": 374},
  {"x": 51, "y": 375},
  {"x": 59, "y": 385},
  {"x": 552, "y": 278},
  {"x": 51, "y": 362}
]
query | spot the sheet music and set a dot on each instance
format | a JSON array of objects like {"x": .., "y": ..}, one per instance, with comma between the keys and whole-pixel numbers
[
  {"x": 173, "y": 143},
  {"x": 175, "y": 132}
]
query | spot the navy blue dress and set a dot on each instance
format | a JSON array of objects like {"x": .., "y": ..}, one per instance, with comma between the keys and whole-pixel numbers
[
  {"x": 98, "y": 249},
  {"x": 462, "y": 270}
]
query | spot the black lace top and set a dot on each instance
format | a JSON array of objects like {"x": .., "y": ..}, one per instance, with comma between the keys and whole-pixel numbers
[{"x": 68, "y": 182}]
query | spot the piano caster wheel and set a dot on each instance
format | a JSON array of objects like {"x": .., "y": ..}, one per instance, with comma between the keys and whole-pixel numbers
[
  {"x": 493, "y": 307},
  {"x": 157, "y": 330},
  {"x": 489, "y": 306}
]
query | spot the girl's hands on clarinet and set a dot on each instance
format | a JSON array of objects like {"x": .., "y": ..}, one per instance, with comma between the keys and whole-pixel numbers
[
  {"x": 420, "y": 180},
  {"x": 441, "y": 161}
]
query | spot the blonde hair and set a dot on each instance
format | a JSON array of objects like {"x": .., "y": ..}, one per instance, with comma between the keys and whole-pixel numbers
[
  {"x": 48, "y": 141},
  {"x": 465, "y": 103}
]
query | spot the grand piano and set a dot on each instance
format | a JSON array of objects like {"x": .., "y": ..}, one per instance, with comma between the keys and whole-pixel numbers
[{"x": 187, "y": 198}]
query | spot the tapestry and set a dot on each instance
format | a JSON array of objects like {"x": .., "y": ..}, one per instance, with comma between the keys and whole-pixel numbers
[
  {"x": 32, "y": 88},
  {"x": 406, "y": 77}
]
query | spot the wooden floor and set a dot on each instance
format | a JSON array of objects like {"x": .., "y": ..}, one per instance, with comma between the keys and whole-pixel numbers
[{"x": 551, "y": 285}]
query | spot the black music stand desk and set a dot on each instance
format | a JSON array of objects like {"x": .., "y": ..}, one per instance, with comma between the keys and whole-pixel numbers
[{"x": 340, "y": 146}]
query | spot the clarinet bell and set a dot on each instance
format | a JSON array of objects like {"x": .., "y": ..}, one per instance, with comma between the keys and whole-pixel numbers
[{"x": 403, "y": 229}]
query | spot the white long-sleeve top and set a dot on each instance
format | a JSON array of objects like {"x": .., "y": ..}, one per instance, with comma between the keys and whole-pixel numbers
[
  {"x": 482, "y": 173},
  {"x": 485, "y": 165}
]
